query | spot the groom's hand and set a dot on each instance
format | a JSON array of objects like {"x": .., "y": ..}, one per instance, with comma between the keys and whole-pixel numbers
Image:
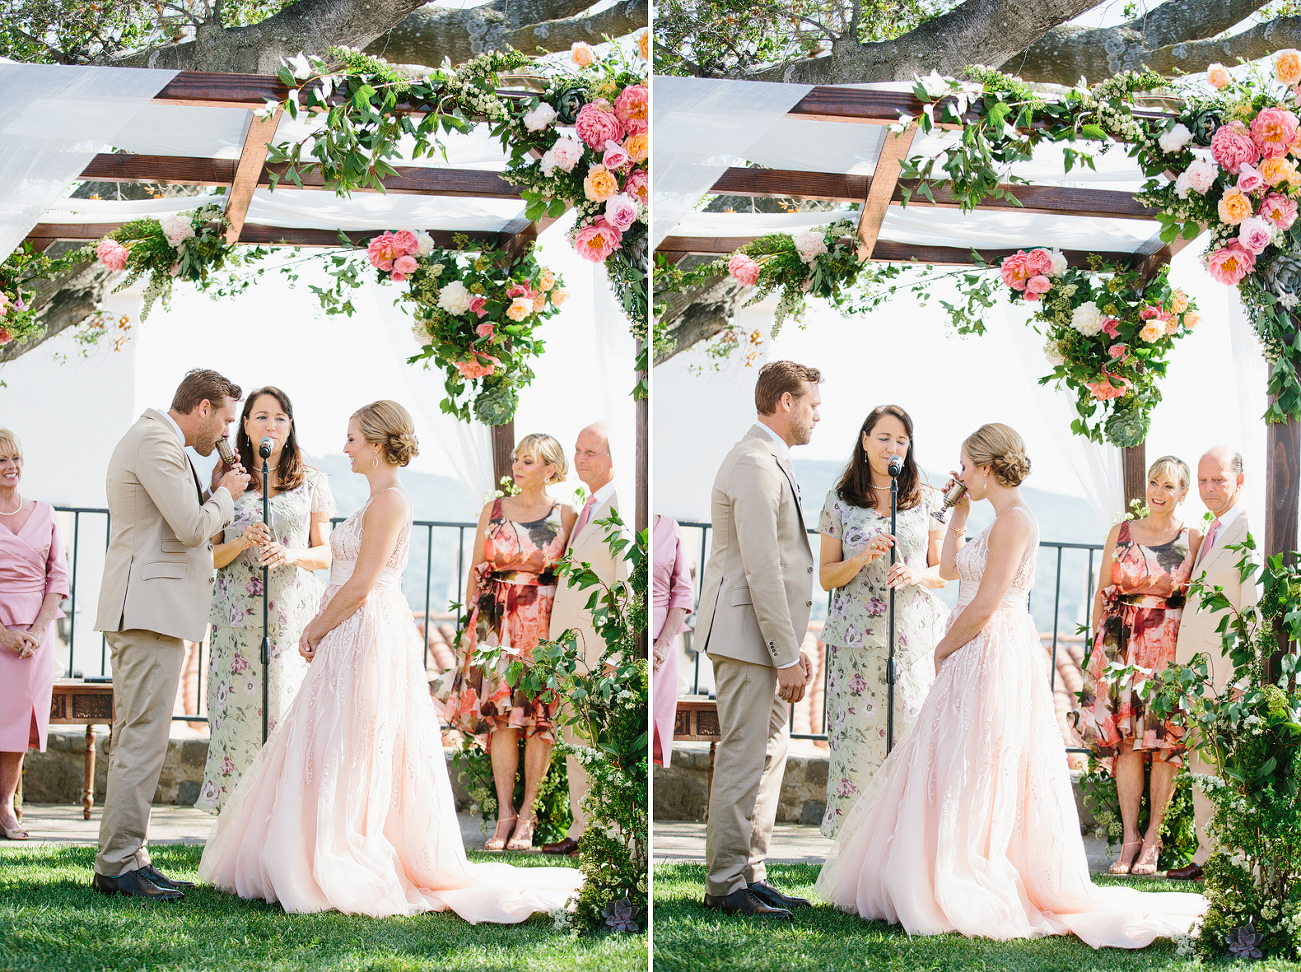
[{"x": 791, "y": 681}]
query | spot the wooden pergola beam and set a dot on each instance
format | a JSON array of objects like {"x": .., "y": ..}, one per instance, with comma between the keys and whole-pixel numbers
[
  {"x": 261, "y": 130},
  {"x": 881, "y": 190},
  {"x": 256, "y": 233}
]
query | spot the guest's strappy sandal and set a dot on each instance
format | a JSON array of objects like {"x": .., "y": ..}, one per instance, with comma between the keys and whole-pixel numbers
[
  {"x": 1123, "y": 867},
  {"x": 1145, "y": 868},
  {"x": 522, "y": 839},
  {"x": 498, "y": 840}
]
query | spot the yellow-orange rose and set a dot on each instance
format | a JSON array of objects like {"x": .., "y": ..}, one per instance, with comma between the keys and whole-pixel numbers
[
  {"x": 1235, "y": 206},
  {"x": 546, "y": 280},
  {"x": 643, "y": 43},
  {"x": 1277, "y": 170},
  {"x": 1287, "y": 66},
  {"x": 1153, "y": 330},
  {"x": 558, "y": 297},
  {"x": 582, "y": 54},
  {"x": 637, "y": 147},
  {"x": 1172, "y": 325},
  {"x": 1217, "y": 76},
  {"x": 520, "y": 308},
  {"x": 1192, "y": 320},
  {"x": 1180, "y": 303},
  {"x": 600, "y": 185},
  {"x": 539, "y": 303}
]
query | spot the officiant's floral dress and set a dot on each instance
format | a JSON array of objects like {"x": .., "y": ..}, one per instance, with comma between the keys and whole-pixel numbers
[
  {"x": 511, "y": 608},
  {"x": 1139, "y": 626},
  {"x": 235, "y": 664},
  {"x": 855, "y": 634}
]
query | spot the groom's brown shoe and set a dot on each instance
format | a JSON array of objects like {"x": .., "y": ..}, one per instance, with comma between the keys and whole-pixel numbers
[
  {"x": 766, "y": 893},
  {"x": 744, "y": 902},
  {"x": 1189, "y": 872},
  {"x": 134, "y": 885}
]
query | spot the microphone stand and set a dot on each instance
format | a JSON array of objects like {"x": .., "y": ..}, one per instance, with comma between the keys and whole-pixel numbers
[
  {"x": 265, "y": 452},
  {"x": 889, "y": 665}
]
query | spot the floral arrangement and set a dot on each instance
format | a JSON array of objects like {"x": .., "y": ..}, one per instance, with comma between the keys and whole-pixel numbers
[
  {"x": 184, "y": 246},
  {"x": 1109, "y": 332},
  {"x": 16, "y": 320},
  {"x": 475, "y": 316}
]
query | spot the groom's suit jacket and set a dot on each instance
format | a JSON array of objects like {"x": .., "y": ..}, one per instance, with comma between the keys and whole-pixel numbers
[
  {"x": 758, "y": 587},
  {"x": 158, "y": 572},
  {"x": 1197, "y": 627}
]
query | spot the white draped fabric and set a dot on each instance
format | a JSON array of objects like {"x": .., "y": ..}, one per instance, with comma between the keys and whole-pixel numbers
[
  {"x": 53, "y": 120},
  {"x": 615, "y": 348}
]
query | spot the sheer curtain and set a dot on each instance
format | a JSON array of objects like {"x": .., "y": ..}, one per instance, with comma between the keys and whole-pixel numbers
[
  {"x": 1097, "y": 466},
  {"x": 53, "y": 120},
  {"x": 467, "y": 445},
  {"x": 615, "y": 348}
]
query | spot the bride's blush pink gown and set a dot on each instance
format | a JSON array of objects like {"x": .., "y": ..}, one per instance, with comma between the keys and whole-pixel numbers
[
  {"x": 970, "y": 824},
  {"x": 349, "y": 806}
]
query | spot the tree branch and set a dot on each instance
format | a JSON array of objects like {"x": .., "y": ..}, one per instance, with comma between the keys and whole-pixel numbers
[
  {"x": 558, "y": 35},
  {"x": 62, "y": 302},
  {"x": 1187, "y": 20}
]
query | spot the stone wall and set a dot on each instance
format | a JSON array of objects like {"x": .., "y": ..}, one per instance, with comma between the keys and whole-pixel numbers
[{"x": 56, "y": 775}]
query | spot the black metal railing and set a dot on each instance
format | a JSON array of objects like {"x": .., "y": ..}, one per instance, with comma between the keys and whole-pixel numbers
[
  {"x": 1079, "y": 596},
  {"x": 455, "y": 579}
]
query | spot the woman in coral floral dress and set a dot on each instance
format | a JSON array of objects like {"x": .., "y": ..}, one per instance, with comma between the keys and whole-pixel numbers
[
  {"x": 1142, "y": 583},
  {"x": 512, "y": 586}
]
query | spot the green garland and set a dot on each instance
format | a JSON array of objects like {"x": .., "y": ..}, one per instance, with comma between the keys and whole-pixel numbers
[{"x": 18, "y": 273}]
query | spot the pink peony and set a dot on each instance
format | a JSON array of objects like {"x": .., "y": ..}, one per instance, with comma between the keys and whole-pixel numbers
[
  {"x": 616, "y": 157},
  {"x": 1039, "y": 261},
  {"x": 1233, "y": 147},
  {"x": 637, "y": 186},
  {"x": 485, "y": 329},
  {"x": 744, "y": 270},
  {"x": 810, "y": 245},
  {"x": 397, "y": 276},
  {"x": 1120, "y": 351},
  {"x": 1254, "y": 233},
  {"x": 632, "y": 108},
  {"x": 1016, "y": 270},
  {"x": 597, "y": 240},
  {"x": 1111, "y": 327},
  {"x": 566, "y": 153},
  {"x": 1273, "y": 131},
  {"x": 1231, "y": 263},
  {"x": 1037, "y": 285},
  {"x": 406, "y": 240},
  {"x": 1279, "y": 210},
  {"x": 112, "y": 254},
  {"x": 406, "y": 264},
  {"x": 1249, "y": 180},
  {"x": 477, "y": 304},
  {"x": 383, "y": 250},
  {"x": 621, "y": 211},
  {"x": 597, "y": 124}
]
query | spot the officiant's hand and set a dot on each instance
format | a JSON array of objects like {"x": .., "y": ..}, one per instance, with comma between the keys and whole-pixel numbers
[
  {"x": 255, "y": 535},
  {"x": 277, "y": 555}
]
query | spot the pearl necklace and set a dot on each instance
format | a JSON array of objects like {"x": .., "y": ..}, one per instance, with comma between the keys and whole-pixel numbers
[{"x": 21, "y": 501}]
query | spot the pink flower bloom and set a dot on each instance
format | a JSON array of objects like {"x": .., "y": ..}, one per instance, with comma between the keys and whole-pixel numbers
[
  {"x": 1037, "y": 285},
  {"x": 1254, "y": 233},
  {"x": 112, "y": 254},
  {"x": 1279, "y": 210},
  {"x": 6, "y": 335},
  {"x": 1111, "y": 327},
  {"x": 1104, "y": 390},
  {"x": 406, "y": 264},
  {"x": 637, "y": 186},
  {"x": 615, "y": 157},
  {"x": 597, "y": 240},
  {"x": 480, "y": 365},
  {"x": 518, "y": 290},
  {"x": 744, "y": 270},
  {"x": 1233, "y": 147},
  {"x": 1039, "y": 261},
  {"x": 597, "y": 124},
  {"x": 582, "y": 54},
  {"x": 1120, "y": 351},
  {"x": 485, "y": 329},
  {"x": 1249, "y": 180},
  {"x": 621, "y": 211},
  {"x": 1016, "y": 271},
  {"x": 566, "y": 153},
  {"x": 1273, "y": 131},
  {"x": 397, "y": 276},
  {"x": 477, "y": 304},
  {"x": 383, "y": 250},
  {"x": 632, "y": 108},
  {"x": 406, "y": 240},
  {"x": 1231, "y": 263}
]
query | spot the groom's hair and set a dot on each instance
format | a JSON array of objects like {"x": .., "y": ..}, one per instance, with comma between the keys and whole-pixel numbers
[
  {"x": 776, "y": 378},
  {"x": 204, "y": 383}
]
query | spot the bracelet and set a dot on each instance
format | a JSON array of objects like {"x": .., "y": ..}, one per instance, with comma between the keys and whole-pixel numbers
[{"x": 960, "y": 533}]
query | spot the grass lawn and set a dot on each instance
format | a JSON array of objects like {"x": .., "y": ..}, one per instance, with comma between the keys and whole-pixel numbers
[
  {"x": 51, "y": 919},
  {"x": 689, "y": 937}
]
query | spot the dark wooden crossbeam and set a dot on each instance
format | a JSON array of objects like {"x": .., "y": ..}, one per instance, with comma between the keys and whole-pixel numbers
[{"x": 255, "y": 233}]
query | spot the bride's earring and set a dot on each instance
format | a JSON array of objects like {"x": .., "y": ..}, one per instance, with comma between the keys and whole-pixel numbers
[
  {"x": 984, "y": 484},
  {"x": 374, "y": 463}
]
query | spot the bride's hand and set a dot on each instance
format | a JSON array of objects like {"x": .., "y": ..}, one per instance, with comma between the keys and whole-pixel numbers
[
  {"x": 308, "y": 642},
  {"x": 963, "y": 505}
]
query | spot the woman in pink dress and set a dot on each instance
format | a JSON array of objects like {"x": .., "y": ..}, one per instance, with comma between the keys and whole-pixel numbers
[
  {"x": 512, "y": 587},
  {"x": 33, "y": 580},
  {"x": 970, "y": 825},
  {"x": 671, "y": 603},
  {"x": 349, "y": 806},
  {"x": 1142, "y": 584}
]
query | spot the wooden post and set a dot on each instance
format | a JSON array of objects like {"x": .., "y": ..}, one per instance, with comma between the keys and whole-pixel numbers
[
  {"x": 1282, "y": 462},
  {"x": 503, "y": 445},
  {"x": 881, "y": 188},
  {"x": 642, "y": 521},
  {"x": 1134, "y": 469}
]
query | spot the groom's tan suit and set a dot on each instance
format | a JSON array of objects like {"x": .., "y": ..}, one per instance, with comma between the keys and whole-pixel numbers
[
  {"x": 156, "y": 592},
  {"x": 754, "y": 611},
  {"x": 1216, "y": 567}
]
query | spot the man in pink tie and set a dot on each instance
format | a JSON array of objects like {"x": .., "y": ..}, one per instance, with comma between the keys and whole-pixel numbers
[{"x": 1219, "y": 482}]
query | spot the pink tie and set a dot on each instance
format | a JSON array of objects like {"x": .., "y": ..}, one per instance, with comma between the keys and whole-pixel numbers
[
  {"x": 1210, "y": 539},
  {"x": 584, "y": 516}
]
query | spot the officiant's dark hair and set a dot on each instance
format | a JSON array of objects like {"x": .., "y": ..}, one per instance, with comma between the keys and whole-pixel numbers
[
  {"x": 855, "y": 486},
  {"x": 290, "y": 470}
]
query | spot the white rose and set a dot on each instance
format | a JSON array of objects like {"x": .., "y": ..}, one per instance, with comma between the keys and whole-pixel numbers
[
  {"x": 454, "y": 298},
  {"x": 1052, "y": 351},
  {"x": 548, "y": 163},
  {"x": 177, "y": 229},
  {"x": 540, "y": 117},
  {"x": 1058, "y": 266},
  {"x": 1087, "y": 319},
  {"x": 426, "y": 244},
  {"x": 419, "y": 333},
  {"x": 810, "y": 245},
  {"x": 567, "y": 152},
  {"x": 1175, "y": 139},
  {"x": 1201, "y": 175}
]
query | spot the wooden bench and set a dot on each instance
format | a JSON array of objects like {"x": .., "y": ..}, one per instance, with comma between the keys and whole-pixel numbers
[{"x": 80, "y": 703}]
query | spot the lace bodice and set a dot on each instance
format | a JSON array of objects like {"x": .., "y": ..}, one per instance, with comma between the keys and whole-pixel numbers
[
  {"x": 345, "y": 547},
  {"x": 972, "y": 558}
]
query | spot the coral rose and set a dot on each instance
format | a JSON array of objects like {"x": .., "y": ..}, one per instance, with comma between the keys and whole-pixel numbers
[
  {"x": 6, "y": 335},
  {"x": 633, "y": 108},
  {"x": 406, "y": 264},
  {"x": 480, "y": 365},
  {"x": 383, "y": 250},
  {"x": 1217, "y": 76},
  {"x": 1277, "y": 170},
  {"x": 1287, "y": 66},
  {"x": 744, "y": 270},
  {"x": 1233, "y": 147},
  {"x": 597, "y": 124},
  {"x": 1231, "y": 263},
  {"x": 1104, "y": 390},
  {"x": 1279, "y": 210},
  {"x": 600, "y": 184},
  {"x": 1273, "y": 131},
  {"x": 112, "y": 254},
  {"x": 485, "y": 329},
  {"x": 637, "y": 147},
  {"x": 1234, "y": 207},
  {"x": 1120, "y": 351},
  {"x": 520, "y": 308},
  {"x": 582, "y": 54},
  {"x": 1037, "y": 285},
  {"x": 595, "y": 242}
]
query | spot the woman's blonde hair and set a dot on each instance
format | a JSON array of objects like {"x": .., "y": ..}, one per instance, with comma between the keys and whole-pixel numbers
[
  {"x": 389, "y": 425},
  {"x": 1167, "y": 463},
  {"x": 9, "y": 442},
  {"x": 1001, "y": 448},
  {"x": 544, "y": 448}
]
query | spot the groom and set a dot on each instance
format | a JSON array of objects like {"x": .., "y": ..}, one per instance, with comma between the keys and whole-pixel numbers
[
  {"x": 156, "y": 592},
  {"x": 754, "y": 610}
]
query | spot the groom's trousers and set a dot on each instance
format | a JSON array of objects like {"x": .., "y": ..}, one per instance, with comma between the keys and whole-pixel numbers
[
  {"x": 748, "y": 769},
  {"x": 146, "y": 670}
]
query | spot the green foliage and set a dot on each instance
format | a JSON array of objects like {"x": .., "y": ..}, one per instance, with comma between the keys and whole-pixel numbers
[
  {"x": 20, "y": 270},
  {"x": 474, "y": 767}
]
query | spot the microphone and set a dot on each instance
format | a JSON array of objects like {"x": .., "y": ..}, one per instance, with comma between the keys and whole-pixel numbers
[
  {"x": 264, "y": 447},
  {"x": 895, "y": 466}
]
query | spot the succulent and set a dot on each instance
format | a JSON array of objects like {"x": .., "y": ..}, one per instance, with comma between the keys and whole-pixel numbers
[
  {"x": 1128, "y": 423},
  {"x": 497, "y": 403},
  {"x": 1203, "y": 125},
  {"x": 622, "y": 916},
  {"x": 1282, "y": 278},
  {"x": 1244, "y": 942},
  {"x": 569, "y": 102}
]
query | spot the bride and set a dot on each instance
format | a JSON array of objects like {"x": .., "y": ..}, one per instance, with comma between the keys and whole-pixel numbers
[
  {"x": 349, "y": 806},
  {"x": 970, "y": 825}
]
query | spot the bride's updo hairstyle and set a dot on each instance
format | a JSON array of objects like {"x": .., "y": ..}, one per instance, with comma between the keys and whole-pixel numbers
[
  {"x": 545, "y": 449},
  {"x": 1001, "y": 448},
  {"x": 389, "y": 425}
]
